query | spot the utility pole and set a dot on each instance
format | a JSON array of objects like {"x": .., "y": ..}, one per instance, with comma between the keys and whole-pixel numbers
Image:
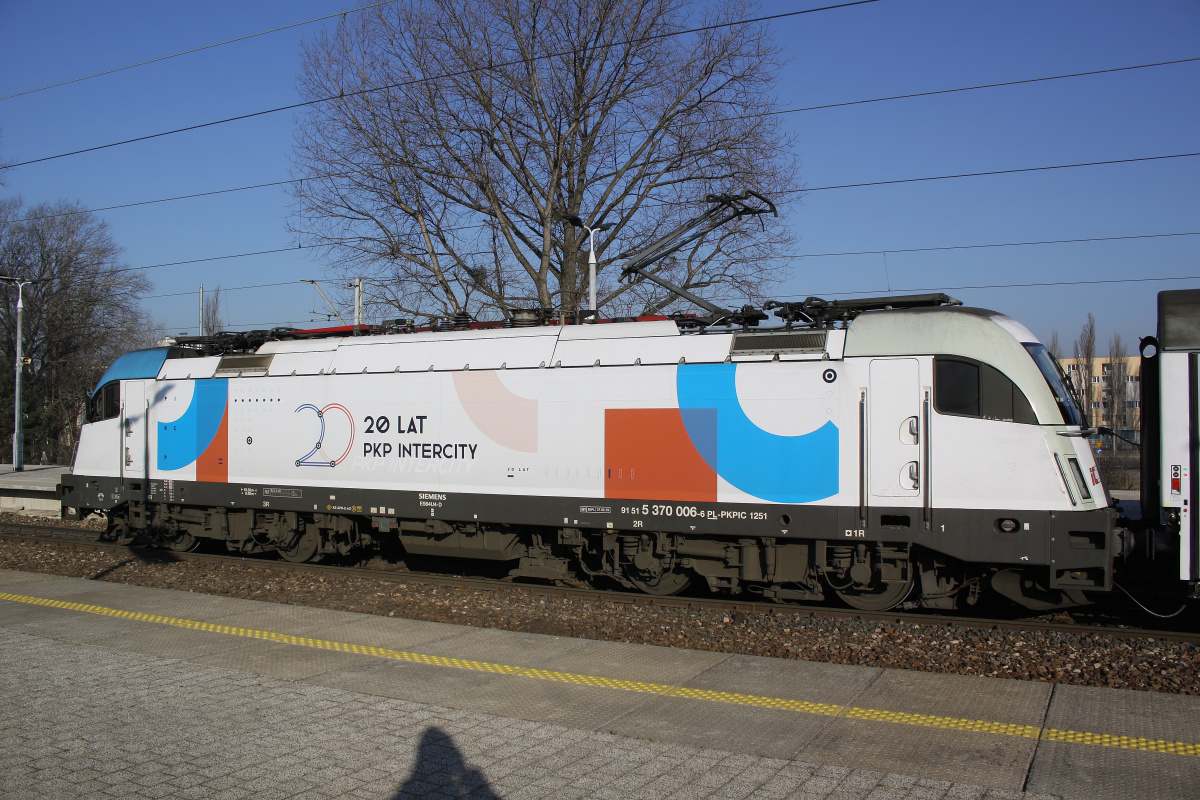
[
  {"x": 202, "y": 309},
  {"x": 18, "y": 421},
  {"x": 358, "y": 304},
  {"x": 579, "y": 223}
]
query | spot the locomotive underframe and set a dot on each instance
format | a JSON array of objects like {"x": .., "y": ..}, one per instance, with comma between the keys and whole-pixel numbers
[{"x": 937, "y": 559}]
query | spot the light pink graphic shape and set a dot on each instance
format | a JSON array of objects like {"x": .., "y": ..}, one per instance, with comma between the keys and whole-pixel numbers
[{"x": 505, "y": 418}]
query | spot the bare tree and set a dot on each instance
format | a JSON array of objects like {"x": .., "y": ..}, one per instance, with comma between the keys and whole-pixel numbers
[
  {"x": 82, "y": 314},
  {"x": 1085, "y": 356},
  {"x": 211, "y": 312},
  {"x": 1054, "y": 348},
  {"x": 1117, "y": 396},
  {"x": 462, "y": 131}
]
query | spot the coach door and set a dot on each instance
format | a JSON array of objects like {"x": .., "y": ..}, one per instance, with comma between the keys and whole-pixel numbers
[
  {"x": 894, "y": 429},
  {"x": 134, "y": 424}
]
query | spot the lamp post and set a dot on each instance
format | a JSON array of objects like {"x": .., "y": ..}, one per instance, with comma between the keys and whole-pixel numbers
[
  {"x": 579, "y": 223},
  {"x": 18, "y": 422}
]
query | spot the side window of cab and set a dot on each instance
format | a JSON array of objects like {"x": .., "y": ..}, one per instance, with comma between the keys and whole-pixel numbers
[
  {"x": 968, "y": 388},
  {"x": 105, "y": 403}
]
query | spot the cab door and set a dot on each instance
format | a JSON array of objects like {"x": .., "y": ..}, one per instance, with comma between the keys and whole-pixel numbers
[
  {"x": 134, "y": 426},
  {"x": 894, "y": 429}
]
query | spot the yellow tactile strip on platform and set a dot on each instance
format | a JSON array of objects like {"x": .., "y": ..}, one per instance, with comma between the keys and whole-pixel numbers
[{"x": 662, "y": 690}]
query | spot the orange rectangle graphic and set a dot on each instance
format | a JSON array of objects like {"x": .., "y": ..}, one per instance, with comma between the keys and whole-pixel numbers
[{"x": 648, "y": 455}]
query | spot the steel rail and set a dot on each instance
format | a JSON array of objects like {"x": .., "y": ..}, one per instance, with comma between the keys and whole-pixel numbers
[{"x": 87, "y": 539}]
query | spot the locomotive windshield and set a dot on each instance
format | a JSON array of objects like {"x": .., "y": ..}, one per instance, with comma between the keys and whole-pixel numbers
[{"x": 1062, "y": 395}]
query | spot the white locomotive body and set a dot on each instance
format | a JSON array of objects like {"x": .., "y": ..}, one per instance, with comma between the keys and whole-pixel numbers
[{"x": 921, "y": 453}]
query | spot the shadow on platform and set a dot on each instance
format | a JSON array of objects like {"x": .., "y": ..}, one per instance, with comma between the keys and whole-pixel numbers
[{"x": 441, "y": 772}]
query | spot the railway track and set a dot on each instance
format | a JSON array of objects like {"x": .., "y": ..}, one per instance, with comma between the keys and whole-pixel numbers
[{"x": 377, "y": 570}]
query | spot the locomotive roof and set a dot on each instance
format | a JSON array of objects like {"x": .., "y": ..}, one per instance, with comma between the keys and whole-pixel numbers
[
  {"x": 517, "y": 348},
  {"x": 975, "y": 332},
  {"x": 972, "y": 332}
]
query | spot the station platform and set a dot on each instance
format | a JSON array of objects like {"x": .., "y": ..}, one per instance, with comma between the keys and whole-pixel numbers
[
  {"x": 127, "y": 691},
  {"x": 33, "y": 490}
]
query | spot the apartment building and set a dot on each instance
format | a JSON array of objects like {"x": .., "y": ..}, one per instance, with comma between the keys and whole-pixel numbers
[{"x": 1113, "y": 393}]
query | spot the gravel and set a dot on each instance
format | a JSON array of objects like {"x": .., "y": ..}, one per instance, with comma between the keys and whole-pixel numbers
[{"x": 1093, "y": 660}]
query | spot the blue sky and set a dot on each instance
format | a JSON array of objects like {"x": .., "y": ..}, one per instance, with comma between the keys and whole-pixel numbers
[{"x": 877, "y": 50}]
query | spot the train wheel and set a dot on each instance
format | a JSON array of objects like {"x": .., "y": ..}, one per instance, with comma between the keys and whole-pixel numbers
[
  {"x": 180, "y": 542},
  {"x": 664, "y": 584},
  {"x": 876, "y": 597},
  {"x": 116, "y": 531},
  {"x": 303, "y": 547}
]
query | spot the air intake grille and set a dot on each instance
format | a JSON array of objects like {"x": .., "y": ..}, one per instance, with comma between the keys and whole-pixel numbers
[
  {"x": 252, "y": 364},
  {"x": 788, "y": 342}
]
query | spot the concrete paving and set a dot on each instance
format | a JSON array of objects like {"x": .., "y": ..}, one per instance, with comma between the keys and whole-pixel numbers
[
  {"x": 33, "y": 490},
  {"x": 126, "y": 691}
]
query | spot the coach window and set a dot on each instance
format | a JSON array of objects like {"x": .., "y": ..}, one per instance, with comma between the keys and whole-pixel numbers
[{"x": 971, "y": 389}]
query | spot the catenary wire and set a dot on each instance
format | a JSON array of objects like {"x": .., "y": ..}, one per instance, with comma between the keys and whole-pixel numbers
[
  {"x": 935, "y": 92},
  {"x": 770, "y": 113},
  {"x": 1036, "y": 285},
  {"x": 218, "y": 258},
  {"x": 792, "y": 255},
  {"x": 994, "y": 244},
  {"x": 195, "y": 50},
  {"x": 342, "y": 95},
  {"x": 801, "y": 191},
  {"x": 228, "y": 289},
  {"x": 246, "y": 325},
  {"x": 841, "y": 294},
  {"x": 996, "y": 172}
]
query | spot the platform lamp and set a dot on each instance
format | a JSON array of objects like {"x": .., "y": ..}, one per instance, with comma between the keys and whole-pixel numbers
[
  {"x": 578, "y": 223},
  {"x": 18, "y": 423}
]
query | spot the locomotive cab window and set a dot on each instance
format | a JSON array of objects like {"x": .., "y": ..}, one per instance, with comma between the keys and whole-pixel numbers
[
  {"x": 1063, "y": 389},
  {"x": 968, "y": 388},
  {"x": 105, "y": 403}
]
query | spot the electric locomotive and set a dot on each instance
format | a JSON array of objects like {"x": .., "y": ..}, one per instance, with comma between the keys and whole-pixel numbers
[{"x": 881, "y": 451}]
